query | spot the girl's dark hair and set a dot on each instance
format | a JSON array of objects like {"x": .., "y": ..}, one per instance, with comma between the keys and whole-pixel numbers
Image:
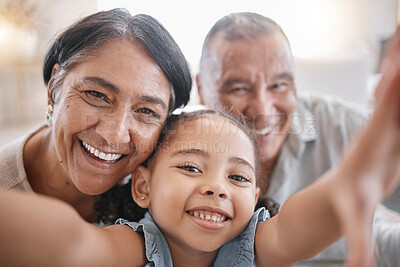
[
  {"x": 118, "y": 203},
  {"x": 73, "y": 46}
]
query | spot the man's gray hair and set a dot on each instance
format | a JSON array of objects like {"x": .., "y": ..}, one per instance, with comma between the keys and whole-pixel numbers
[{"x": 238, "y": 26}]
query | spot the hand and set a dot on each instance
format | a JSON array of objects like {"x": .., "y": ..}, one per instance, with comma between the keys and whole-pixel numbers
[{"x": 370, "y": 168}]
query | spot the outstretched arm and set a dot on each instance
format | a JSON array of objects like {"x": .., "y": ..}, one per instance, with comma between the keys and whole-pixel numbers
[
  {"x": 344, "y": 200},
  {"x": 40, "y": 231}
]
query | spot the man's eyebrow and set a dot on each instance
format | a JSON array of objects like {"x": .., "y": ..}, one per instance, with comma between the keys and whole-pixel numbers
[
  {"x": 154, "y": 99},
  {"x": 229, "y": 82},
  {"x": 192, "y": 151},
  {"x": 241, "y": 161},
  {"x": 101, "y": 82},
  {"x": 285, "y": 75}
]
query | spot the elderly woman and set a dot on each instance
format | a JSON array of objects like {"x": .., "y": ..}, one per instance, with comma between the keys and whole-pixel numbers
[{"x": 112, "y": 79}]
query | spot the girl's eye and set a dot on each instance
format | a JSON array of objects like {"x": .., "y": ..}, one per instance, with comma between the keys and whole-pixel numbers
[
  {"x": 239, "y": 178},
  {"x": 190, "y": 168},
  {"x": 147, "y": 112}
]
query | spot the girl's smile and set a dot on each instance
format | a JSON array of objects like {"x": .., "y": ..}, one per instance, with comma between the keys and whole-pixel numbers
[{"x": 209, "y": 218}]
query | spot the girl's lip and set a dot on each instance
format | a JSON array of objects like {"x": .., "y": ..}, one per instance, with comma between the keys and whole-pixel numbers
[
  {"x": 211, "y": 209},
  {"x": 209, "y": 223}
]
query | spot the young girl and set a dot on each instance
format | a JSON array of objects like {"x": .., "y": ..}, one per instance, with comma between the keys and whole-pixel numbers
[{"x": 200, "y": 191}]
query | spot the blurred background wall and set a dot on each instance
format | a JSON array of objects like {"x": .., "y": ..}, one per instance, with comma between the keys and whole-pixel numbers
[{"x": 337, "y": 44}]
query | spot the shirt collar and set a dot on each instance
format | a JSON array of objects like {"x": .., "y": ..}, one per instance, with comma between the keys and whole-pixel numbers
[{"x": 303, "y": 129}]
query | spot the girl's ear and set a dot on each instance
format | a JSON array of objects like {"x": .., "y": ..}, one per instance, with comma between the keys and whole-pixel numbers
[
  {"x": 257, "y": 195},
  {"x": 55, "y": 70},
  {"x": 140, "y": 186}
]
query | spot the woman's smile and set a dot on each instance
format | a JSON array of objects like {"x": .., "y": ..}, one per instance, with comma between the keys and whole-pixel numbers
[{"x": 95, "y": 152}]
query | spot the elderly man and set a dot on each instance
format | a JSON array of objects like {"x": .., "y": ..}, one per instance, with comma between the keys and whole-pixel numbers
[{"x": 246, "y": 68}]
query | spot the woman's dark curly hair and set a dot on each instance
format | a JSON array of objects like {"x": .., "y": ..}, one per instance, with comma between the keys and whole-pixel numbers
[{"x": 118, "y": 203}]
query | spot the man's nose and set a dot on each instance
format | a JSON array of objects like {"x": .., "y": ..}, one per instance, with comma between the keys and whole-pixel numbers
[{"x": 260, "y": 105}]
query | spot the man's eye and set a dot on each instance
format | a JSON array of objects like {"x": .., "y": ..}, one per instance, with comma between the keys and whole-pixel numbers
[
  {"x": 239, "y": 90},
  {"x": 189, "y": 168},
  {"x": 147, "y": 112},
  {"x": 279, "y": 87},
  {"x": 239, "y": 178}
]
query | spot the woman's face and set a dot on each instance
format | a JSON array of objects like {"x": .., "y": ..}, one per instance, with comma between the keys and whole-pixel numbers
[{"x": 108, "y": 115}]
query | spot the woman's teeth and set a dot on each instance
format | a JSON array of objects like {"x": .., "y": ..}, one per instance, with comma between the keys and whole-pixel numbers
[
  {"x": 213, "y": 217},
  {"x": 101, "y": 155},
  {"x": 263, "y": 131}
]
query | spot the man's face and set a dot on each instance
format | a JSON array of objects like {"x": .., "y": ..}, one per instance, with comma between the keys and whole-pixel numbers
[{"x": 253, "y": 78}]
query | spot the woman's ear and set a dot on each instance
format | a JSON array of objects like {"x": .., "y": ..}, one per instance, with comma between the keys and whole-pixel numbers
[
  {"x": 140, "y": 186},
  {"x": 55, "y": 70}
]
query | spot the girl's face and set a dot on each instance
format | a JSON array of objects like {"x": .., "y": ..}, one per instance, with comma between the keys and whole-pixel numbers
[
  {"x": 108, "y": 115},
  {"x": 202, "y": 184}
]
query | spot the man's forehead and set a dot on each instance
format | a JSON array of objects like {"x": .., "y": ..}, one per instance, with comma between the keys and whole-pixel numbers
[{"x": 242, "y": 50}]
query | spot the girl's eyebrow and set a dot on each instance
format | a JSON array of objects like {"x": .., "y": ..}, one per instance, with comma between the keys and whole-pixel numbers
[
  {"x": 241, "y": 161},
  {"x": 193, "y": 151}
]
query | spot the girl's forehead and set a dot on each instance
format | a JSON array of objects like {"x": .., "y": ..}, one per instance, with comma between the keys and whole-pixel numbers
[
  {"x": 210, "y": 130},
  {"x": 206, "y": 124}
]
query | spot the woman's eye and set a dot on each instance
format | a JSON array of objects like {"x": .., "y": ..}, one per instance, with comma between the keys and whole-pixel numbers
[
  {"x": 190, "y": 168},
  {"x": 239, "y": 178},
  {"x": 98, "y": 95},
  {"x": 147, "y": 112}
]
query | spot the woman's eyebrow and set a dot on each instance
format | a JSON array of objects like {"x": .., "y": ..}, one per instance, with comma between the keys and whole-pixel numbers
[
  {"x": 155, "y": 100},
  {"x": 192, "y": 151},
  {"x": 241, "y": 161},
  {"x": 115, "y": 89},
  {"x": 101, "y": 82}
]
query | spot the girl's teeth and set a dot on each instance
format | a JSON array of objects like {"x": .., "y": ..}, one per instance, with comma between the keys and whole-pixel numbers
[
  {"x": 208, "y": 217},
  {"x": 101, "y": 155}
]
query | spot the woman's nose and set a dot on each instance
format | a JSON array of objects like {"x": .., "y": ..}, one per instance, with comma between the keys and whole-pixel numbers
[{"x": 114, "y": 128}]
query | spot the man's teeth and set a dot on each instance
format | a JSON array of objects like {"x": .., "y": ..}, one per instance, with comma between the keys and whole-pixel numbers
[
  {"x": 101, "y": 155},
  {"x": 213, "y": 217},
  {"x": 263, "y": 131}
]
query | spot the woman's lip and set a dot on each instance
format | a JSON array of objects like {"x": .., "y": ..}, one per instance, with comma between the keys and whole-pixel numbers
[
  {"x": 96, "y": 161},
  {"x": 103, "y": 155}
]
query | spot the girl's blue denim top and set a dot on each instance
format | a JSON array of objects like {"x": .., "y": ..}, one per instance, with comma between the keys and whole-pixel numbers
[{"x": 237, "y": 252}]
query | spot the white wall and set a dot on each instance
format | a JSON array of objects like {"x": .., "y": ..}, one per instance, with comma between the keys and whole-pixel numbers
[
  {"x": 336, "y": 43},
  {"x": 23, "y": 96}
]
